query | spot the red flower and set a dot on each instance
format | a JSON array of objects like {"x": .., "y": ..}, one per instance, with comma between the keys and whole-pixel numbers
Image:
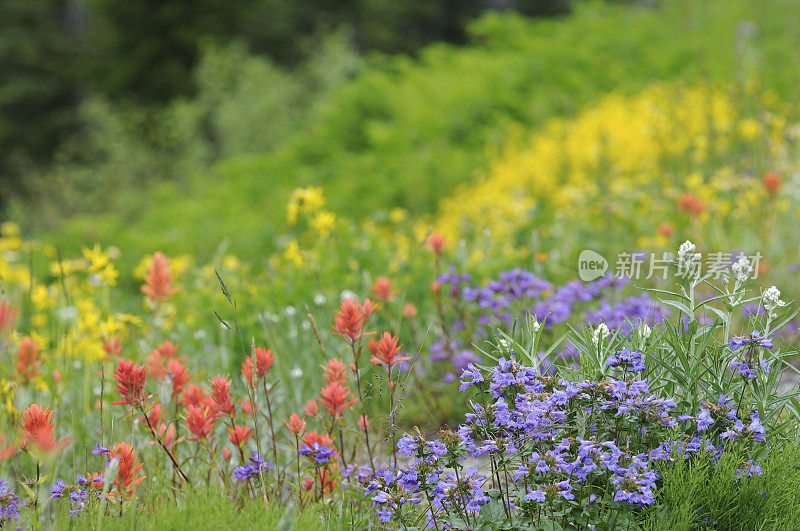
[
  {"x": 157, "y": 359},
  {"x": 386, "y": 351},
  {"x": 665, "y": 229},
  {"x": 350, "y": 319},
  {"x": 691, "y": 204},
  {"x": 436, "y": 243},
  {"x": 772, "y": 182},
  {"x": 37, "y": 430},
  {"x": 130, "y": 383},
  {"x": 323, "y": 440},
  {"x": 248, "y": 373},
  {"x": 129, "y": 467},
  {"x": 221, "y": 395},
  {"x": 179, "y": 376},
  {"x": 263, "y": 363},
  {"x": 7, "y": 451},
  {"x": 247, "y": 407},
  {"x": 194, "y": 395},
  {"x": 226, "y": 454},
  {"x": 311, "y": 408},
  {"x": 112, "y": 347},
  {"x": 155, "y": 367},
  {"x": 335, "y": 371},
  {"x": 382, "y": 288},
  {"x": 157, "y": 282},
  {"x": 363, "y": 422},
  {"x": 436, "y": 287},
  {"x": 8, "y": 317},
  {"x": 335, "y": 399},
  {"x": 28, "y": 360},
  {"x": 295, "y": 424},
  {"x": 200, "y": 422},
  {"x": 409, "y": 311},
  {"x": 165, "y": 434},
  {"x": 239, "y": 435},
  {"x": 154, "y": 415},
  {"x": 264, "y": 359}
]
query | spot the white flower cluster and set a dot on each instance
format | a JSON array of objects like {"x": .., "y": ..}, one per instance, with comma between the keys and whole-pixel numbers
[
  {"x": 771, "y": 299},
  {"x": 741, "y": 269},
  {"x": 687, "y": 255},
  {"x": 600, "y": 333}
]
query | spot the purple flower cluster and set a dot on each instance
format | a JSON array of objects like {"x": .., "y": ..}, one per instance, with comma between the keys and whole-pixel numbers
[
  {"x": 389, "y": 491},
  {"x": 750, "y": 372},
  {"x": 628, "y": 360},
  {"x": 9, "y": 504},
  {"x": 321, "y": 454},
  {"x": 555, "y": 442},
  {"x": 80, "y": 493},
  {"x": 753, "y": 340},
  {"x": 518, "y": 293},
  {"x": 257, "y": 466}
]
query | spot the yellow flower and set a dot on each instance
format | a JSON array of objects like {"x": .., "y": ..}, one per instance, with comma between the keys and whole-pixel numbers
[
  {"x": 304, "y": 200},
  {"x": 292, "y": 253},
  {"x": 230, "y": 262},
  {"x": 40, "y": 297},
  {"x": 323, "y": 222},
  {"x": 749, "y": 129},
  {"x": 96, "y": 257},
  {"x": 398, "y": 215},
  {"x": 9, "y": 228}
]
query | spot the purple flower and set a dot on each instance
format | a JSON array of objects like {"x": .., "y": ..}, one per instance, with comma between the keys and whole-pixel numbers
[
  {"x": 9, "y": 504},
  {"x": 100, "y": 449},
  {"x": 629, "y": 360},
  {"x": 258, "y": 465},
  {"x": 407, "y": 445},
  {"x": 755, "y": 338},
  {"x": 535, "y": 495},
  {"x": 58, "y": 489},
  {"x": 704, "y": 420}
]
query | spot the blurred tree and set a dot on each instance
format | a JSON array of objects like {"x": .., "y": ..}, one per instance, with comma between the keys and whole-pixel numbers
[
  {"x": 144, "y": 52},
  {"x": 146, "y": 49},
  {"x": 39, "y": 88}
]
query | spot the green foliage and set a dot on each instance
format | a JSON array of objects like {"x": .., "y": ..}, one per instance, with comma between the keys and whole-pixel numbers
[
  {"x": 405, "y": 132},
  {"x": 694, "y": 491},
  {"x": 38, "y": 86},
  {"x": 202, "y": 508}
]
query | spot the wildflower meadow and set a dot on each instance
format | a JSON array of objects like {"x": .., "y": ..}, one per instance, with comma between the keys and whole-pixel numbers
[{"x": 449, "y": 268}]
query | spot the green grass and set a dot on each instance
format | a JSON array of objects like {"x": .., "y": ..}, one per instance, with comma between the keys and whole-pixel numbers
[
  {"x": 404, "y": 132},
  {"x": 201, "y": 509},
  {"x": 692, "y": 493}
]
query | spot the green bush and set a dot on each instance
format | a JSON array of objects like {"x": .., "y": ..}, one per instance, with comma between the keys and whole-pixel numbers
[{"x": 403, "y": 132}]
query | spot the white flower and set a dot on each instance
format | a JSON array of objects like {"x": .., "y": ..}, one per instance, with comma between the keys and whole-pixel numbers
[
  {"x": 644, "y": 331},
  {"x": 347, "y": 294},
  {"x": 503, "y": 344},
  {"x": 771, "y": 299},
  {"x": 297, "y": 372},
  {"x": 536, "y": 325},
  {"x": 741, "y": 269},
  {"x": 290, "y": 311},
  {"x": 320, "y": 299},
  {"x": 600, "y": 333},
  {"x": 687, "y": 255}
]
